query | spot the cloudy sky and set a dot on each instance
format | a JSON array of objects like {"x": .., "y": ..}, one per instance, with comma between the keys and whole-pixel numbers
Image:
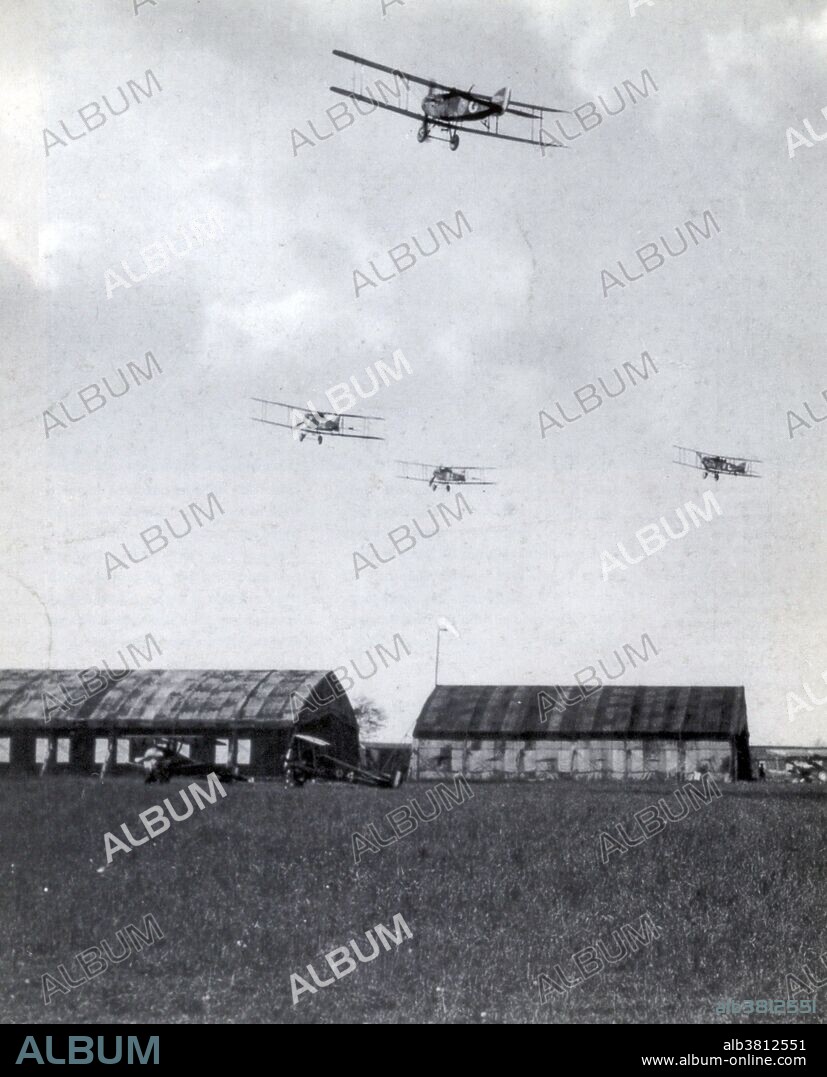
[{"x": 497, "y": 326}]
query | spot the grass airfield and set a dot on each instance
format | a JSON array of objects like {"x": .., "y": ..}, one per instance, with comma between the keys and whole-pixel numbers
[{"x": 496, "y": 891}]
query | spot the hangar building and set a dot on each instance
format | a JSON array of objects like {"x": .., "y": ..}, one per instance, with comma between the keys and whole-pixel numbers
[
  {"x": 69, "y": 720},
  {"x": 616, "y": 731}
]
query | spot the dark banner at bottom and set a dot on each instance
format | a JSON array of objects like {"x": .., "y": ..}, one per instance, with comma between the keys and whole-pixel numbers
[{"x": 634, "y": 1048}]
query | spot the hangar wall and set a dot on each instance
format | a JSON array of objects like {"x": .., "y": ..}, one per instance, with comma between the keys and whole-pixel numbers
[
  {"x": 541, "y": 732},
  {"x": 520, "y": 758}
]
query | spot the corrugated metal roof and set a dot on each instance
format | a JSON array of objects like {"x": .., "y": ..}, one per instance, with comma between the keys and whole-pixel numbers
[
  {"x": 481, "y": 711},
  {"x": 181, "y": 699}
]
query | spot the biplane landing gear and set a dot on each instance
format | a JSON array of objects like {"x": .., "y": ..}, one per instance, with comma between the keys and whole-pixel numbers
[
  {"x": 422, "y": 133},
  {"x": 454, "y": 140}
]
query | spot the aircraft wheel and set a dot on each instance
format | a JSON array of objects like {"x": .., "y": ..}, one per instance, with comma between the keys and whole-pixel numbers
[
  {"x": 320, "y": 439},
  {"x": 454, "y": 141},
  {"x": 422, "y": 133},
  {"x": 350, "y": 777}
]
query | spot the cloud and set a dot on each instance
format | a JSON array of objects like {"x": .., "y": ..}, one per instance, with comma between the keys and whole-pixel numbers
[{"x": 265, "y": 321}]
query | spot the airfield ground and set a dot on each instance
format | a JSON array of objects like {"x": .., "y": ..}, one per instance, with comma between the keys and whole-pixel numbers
[{"x": 500, "y": 889}]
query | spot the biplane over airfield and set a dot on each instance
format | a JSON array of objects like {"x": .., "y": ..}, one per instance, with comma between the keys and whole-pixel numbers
[
  {"x": 445, "y": 108},
  {"x": 304, "y": 421},
  {"x": 442, "y": 475},
  {"x": 717, "y": 465}
]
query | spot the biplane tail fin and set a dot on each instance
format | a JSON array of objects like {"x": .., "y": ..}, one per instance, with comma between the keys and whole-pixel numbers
[{"x": 502, "y": 98}]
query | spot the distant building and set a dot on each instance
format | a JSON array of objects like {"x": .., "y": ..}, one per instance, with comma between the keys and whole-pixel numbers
[
  {"x": 489, "y": 732},
  {"x": 57, "y": 721}
]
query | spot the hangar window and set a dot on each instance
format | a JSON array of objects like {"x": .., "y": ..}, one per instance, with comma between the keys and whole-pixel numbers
[
  {"x": 243, "y": 759},
  {"x": 62, "y": 749},
  {"x": 5, "y": 749},
  {"x": 222, "y": 752},
  {"x": 443, "y": 759},
  {"x": 101, "y": 745},
  {"x": 475, "y": 745},
  {"x": 123, "y": 750},
  {"x": 652, "y": 755},
  {"x": 41, "y": 749}
]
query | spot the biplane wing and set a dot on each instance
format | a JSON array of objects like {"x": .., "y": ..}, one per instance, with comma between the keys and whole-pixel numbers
[
  {"x": 466, "y": 130},
  {"x": 432, "y": 84},
  {"x": 392, "y": 71},
  {"x": 534, "y": 108},
  {"x": 372, "y": 101},
  {"x": 295, "y": 418},
  {"x": 312, "y": 740},
  {"x": 708, "y": 461}
]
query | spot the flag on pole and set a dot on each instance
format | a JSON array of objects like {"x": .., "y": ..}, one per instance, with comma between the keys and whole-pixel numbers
[{"x": 448, "y": 626}]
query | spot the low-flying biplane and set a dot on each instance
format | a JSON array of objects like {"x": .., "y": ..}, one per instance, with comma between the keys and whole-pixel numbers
[
  {"x": 445, "y": 108},
  {"x": 167, "y": 758},
  {"x": 442, "y": 475},
  {"x": 308, "y": 421},
  {"x": 309, "y": 759},
  {"x": 717, "y": 465}
]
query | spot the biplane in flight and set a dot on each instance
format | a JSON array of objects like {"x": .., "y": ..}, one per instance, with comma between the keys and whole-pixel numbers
[
  {"x": 717, "y": 465},
  {"x": 308, "y": 421},
  {"x": 445, "y": 108},
  {"x": 441, "y": 475}
]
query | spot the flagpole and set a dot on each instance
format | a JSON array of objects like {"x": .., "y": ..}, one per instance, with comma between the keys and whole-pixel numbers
[{"x": 439, "y": 632}]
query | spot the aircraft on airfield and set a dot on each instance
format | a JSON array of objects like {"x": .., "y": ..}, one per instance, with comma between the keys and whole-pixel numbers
[
  {"x": 797, "y": 766},
  {"x": 167, "y": 758},
  {"x": 307, "y": 760},
  {"x": 445, "y": 108},
  {"x": 807, "y": 770}
]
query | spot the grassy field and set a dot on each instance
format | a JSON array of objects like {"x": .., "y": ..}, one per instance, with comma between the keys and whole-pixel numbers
[{"x": 495, "y": 892}]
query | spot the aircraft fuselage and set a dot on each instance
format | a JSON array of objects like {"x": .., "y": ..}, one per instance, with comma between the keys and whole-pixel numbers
[{"x": 454, "y": 108}]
